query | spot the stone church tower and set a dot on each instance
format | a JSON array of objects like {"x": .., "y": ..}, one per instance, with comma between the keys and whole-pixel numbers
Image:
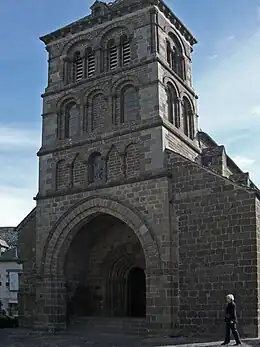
[{"x": 141, "y": 220}]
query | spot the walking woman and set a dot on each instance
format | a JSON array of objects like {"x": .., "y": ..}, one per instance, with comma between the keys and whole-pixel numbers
[{"x": 231, "y": 320}]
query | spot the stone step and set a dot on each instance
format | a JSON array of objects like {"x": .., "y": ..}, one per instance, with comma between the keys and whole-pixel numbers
[{"x": 113, "y": 325}]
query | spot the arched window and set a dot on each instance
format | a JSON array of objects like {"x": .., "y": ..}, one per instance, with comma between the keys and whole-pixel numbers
[
  {"x": 70, "y": 120},
  {"x": 61, "y": 175},
  {"x": 129, "y": 104},
  {"x": 95, "y": 168},
  {"x": 78, "y": 67},
  {"x": 98, "y": 109},
  {"x": 112, "y": 55},
  {"x": 90, "y": 62},
  {"x": 172, "y": 106},
  {"x": 175, "y": 55},
  {"x": 188, "y": 121},
  {"x": 125, "y": 51},
  {"x": 118, "y": 53}
]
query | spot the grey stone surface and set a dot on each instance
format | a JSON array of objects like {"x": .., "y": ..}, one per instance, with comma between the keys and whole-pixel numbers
[{"x": 25, "y": 338}]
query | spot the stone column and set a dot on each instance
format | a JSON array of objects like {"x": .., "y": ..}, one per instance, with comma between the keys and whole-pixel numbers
[
  {"x": 99, "y": 61},
  {"x": 114, "y": 98},
  {"x": 154, "y": 31},
  {"x": 180, "y": 110},
  {"x": 65, "y": 69}
]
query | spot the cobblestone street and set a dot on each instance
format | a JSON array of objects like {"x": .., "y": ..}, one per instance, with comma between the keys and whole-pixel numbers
[{"x": 24, "y": 338}]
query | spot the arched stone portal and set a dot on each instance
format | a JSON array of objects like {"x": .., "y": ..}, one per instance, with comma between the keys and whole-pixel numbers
[
  {"x": 90, "y": 253},
  {"x": 105, "y": 270}
]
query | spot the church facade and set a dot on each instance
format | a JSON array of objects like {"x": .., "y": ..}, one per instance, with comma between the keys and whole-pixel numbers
[{"x": 139, "y": 216}]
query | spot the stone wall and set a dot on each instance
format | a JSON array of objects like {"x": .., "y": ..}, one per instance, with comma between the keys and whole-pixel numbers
[
  {"x": 149, "y": 198},
  {"x": 217, "y": 247},
  {"x": 125, "y": 157},
  {"x": 257, "y": 319},
  {"x": 26, "y": 253}
]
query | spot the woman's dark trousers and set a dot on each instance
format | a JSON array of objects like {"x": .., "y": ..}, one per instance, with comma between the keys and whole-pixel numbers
[{"x": 233, "y": 328}]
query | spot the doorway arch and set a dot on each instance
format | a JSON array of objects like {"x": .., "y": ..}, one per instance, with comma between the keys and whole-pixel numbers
[
  {"x": 60, "y": 238},
  {"x": 97, "y": 269},
  {"x": 68, "y": 225}
]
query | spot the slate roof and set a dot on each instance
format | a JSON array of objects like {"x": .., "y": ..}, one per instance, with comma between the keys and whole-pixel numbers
[{"x": 9, "y": 235}]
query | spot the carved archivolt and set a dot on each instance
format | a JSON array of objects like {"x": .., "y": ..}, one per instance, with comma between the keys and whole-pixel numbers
[
  {"x": 167, "y": 79},
  {"x": 170, "y": 31},
  {"x": 113, "y": 32},
  {"x": 87, "y": 94},
  {"x": 186, "y": 96},
  {"x": 122, "y": 81},
  {"x": 79, "y": 41},
  {"x": 65, "y": 100}
]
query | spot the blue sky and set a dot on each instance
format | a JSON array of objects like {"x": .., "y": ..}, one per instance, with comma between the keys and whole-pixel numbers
[{"x": 226, "y": 75}]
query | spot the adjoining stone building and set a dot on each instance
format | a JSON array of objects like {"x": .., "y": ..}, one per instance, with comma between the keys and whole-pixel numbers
[{"x": 139, "y": 215}]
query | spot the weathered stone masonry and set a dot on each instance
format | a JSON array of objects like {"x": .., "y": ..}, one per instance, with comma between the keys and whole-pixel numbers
[{"x": 139, "y": 215}]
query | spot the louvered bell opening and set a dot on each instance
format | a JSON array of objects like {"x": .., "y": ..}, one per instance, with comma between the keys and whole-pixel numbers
[
  {"x": 113, "y": 58},
  {"x": 126, "y": 53},
  {"x": 79, "y": 68},
  {"x": 91, "y": 64}
]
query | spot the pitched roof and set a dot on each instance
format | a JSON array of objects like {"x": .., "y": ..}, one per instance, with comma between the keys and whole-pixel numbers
[
  {"x": 3, "y": 243},
  {"x": 9, "y": 235}
]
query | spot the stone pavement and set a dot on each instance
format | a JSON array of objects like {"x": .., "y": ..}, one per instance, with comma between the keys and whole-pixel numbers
[{"x": 25, "y": 338}]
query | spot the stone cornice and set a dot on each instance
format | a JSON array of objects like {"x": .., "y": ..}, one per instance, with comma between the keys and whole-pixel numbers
[
  {"x": 182, "y": 137},
  {"x": 101, "y": 76},
  {"x": 148, "y": 124},
  {"x": 175, "y": 21},
  {"x": 49, "y": 91},
  {"x": 162, "y": 173},
  {"x": 117, "y": 10}
]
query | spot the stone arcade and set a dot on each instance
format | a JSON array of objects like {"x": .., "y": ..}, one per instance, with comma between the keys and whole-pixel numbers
[{"x": 140, "y": 217}]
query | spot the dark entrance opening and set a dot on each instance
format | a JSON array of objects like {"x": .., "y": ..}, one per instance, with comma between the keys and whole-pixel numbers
[
  {"x": 97, "y": 267},
  {"x": 136, "y": 286}
]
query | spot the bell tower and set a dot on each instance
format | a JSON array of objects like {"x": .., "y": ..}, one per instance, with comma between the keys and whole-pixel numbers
[
  {"x": 119, "y": 78},
  {"x": 177, "y": 98}
]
